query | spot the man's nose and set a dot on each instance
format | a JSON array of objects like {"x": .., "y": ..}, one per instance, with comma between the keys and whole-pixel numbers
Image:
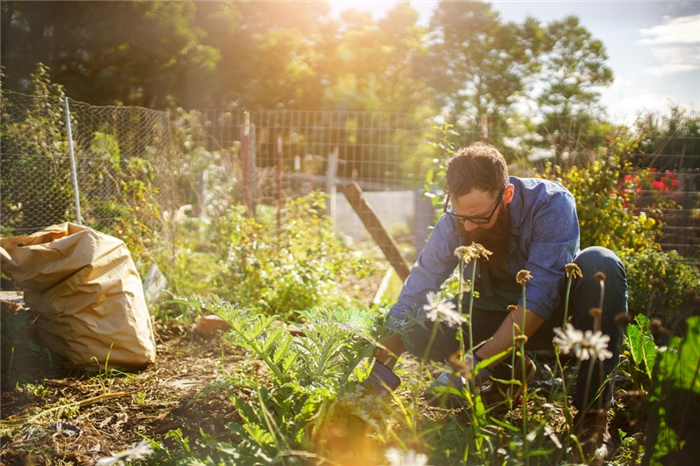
[{"x": 470, "y": 226}]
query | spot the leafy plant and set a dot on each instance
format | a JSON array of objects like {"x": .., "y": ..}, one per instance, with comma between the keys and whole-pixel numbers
[
  {"x": 247, "y": 261},
  {"x": 641, "y": 350},
  {"x": 675, "y": 401},
  {"x": 661, "y": 284},
  {"x": 604, "y": 206},
  {"x": 295, "y": 402}
]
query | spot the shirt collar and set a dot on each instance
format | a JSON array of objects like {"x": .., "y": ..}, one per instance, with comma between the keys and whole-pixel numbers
[{"x": 516, "y": 205}]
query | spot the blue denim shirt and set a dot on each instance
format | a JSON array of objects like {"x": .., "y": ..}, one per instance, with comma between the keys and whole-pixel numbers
[{"x": 545, "y": 237}]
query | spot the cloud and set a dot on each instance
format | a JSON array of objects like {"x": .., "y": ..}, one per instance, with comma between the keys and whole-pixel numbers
[
  {"x": 683, "y": 30},
  {"x": 681, "y": 38}
]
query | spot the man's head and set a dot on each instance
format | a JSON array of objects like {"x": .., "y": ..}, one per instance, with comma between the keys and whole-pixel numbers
[
  {"x": 479, "y": 192},
  {"x": 479, "y": 166}
]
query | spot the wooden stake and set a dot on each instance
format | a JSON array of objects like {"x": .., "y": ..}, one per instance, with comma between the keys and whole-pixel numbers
[{"x": 385, "y": 242}]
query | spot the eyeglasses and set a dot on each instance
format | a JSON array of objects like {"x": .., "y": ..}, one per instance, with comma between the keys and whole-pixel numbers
[{"x": 475, "y": 220}]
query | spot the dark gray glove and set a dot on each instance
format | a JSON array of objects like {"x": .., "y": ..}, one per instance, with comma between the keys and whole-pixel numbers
[{"x": 381, "y": 380}]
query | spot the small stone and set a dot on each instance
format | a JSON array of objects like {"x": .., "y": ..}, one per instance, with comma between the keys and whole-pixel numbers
[{"x": 209, "y": 324}]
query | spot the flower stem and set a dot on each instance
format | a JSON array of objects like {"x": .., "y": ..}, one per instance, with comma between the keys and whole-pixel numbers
[
  {"x": 431, "y": 341},
  {"x": 566, "y": 303},
  {"x": 524, "y": 374},
  {"x": 471, "y": 306}
]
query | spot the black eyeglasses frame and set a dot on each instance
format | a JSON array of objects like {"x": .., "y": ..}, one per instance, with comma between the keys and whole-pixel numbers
[{"x": 475, "y": 220}]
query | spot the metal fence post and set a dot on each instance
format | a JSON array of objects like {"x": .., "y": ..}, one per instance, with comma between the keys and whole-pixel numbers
[
  {"x": 76, "y": 192},
  {"x": 279, "y": 183},
  {"x": 244, "y": 158},
  {"x": 330, "y": 181}
]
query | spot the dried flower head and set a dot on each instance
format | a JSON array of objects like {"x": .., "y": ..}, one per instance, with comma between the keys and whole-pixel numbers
[
  {"x": 595, "y": 312},
  {"x": 656, "y": 327},
  {"x": 623, "y": 320},
  {"x": 520, "y": 339},
  {"x": 523, "y": 277},
  {"x": 588, "y": 345},
  {"x": 396, "y": 457},
  {"x": 471, "y": 252},
  {"x": 512, "y": 307},
  {"x": 442, "y": 311},
  {"x": 139, "y": 452},
  {"x": 658, "y": 284},
  {"x": 600, "y": 276},
  {"x": 573, "y": 270}
]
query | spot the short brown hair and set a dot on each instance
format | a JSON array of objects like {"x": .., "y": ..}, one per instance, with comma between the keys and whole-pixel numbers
[{"x": 479, "y": 166}]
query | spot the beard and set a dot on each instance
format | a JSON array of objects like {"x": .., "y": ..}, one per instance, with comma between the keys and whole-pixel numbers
[{"x": 496, "y": 239}]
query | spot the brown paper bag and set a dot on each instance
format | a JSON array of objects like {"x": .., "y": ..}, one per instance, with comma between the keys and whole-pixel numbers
[{"x": 84, "y": 286}]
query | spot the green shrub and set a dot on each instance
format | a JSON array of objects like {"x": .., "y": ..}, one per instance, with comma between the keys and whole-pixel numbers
[
  {"x": 674, "y": 401},
  {"x": 247, "y": 261},
  {"x": 604, "y": 204},
  {"x": 660, "y": 284}
]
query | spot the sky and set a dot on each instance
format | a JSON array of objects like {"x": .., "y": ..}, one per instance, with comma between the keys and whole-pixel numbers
[{"x": 653, "y": 46}]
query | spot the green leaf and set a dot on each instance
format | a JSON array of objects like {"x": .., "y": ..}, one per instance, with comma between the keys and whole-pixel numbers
[{"x": 642, "y": 346}]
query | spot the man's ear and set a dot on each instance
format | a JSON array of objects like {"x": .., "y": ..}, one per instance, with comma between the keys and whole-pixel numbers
[{"x": 508, "y": 194}]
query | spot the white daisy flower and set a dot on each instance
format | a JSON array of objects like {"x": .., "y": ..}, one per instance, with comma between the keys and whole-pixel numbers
[
  {"x": 442, "y": 311},
  {"x": 139, "y": 452},
  {"x": 396, "y": 457},
  {"x": 588, "y": 345}
]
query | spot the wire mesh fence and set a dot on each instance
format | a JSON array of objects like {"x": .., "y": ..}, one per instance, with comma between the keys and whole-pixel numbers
[
  {"x": 135, "y": 167},
  {"x": 35, "y": 172},
  {"x": 114, "y": 174}
]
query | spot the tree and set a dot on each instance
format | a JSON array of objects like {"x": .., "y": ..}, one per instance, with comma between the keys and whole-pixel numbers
[
  {"x": 136, "y": 53},
  {"x": 573, "y": 65},
  {"x": 375, "y": 62},
  {"x": 477, "y": 65},
  {"x": 271, "y": 52}
]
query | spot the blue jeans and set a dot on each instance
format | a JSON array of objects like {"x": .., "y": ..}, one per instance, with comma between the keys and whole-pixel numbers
[{"x": 585, "y": 294}]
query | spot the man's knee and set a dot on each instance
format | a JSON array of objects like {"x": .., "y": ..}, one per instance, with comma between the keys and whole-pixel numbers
[{"x": 596, "y": 259}]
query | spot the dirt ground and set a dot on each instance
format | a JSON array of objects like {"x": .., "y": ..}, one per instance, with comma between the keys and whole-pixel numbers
[
  {"x": 110, "y": 413},
  {"x": 148, "y": 404}
]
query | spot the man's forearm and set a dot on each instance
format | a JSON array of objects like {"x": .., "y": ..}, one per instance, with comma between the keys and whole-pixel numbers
[
  {"x": 393, "y": 349},
  {"x": 503, "y": 338}
]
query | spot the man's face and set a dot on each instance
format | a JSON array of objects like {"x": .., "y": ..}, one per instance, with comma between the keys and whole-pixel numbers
[
  {"x": 494, "y": 235},
  {"x": 480, "y": 204}
]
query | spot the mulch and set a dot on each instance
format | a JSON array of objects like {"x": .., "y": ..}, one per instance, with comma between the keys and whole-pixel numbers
[{"x": 179, "y": 391}]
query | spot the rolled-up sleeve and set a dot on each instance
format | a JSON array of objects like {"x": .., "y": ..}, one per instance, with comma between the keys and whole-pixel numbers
[
  {"x": 554, "y": 243},
  {"x": 434, "y": 265}
]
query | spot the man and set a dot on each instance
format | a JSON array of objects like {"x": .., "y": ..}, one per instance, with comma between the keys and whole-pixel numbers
[{"x": 528, "y": 224}]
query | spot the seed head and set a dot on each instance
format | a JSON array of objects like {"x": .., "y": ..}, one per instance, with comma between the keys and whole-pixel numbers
[
  {"x": 523, "y": 277},
  {"x": 573, "y": 270},
  {"x": 595, "y": 312},
  {"x": 658, "y": 284},
  {"x": 623, "y": 320},
  {"x": 512, "y": 307},
  {"x": 471, "y": 252},
  {"x": 656, "y": 327},
  {"x": 520, "y": 339},
  {"x": 600, "y": 276}
]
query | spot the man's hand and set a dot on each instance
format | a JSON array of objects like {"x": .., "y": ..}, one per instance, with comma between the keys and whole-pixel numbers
[
  {"x": 503, "y": 338},
  {"x": 466, "y": 368},
  {"x": 381, "y": 380}
]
